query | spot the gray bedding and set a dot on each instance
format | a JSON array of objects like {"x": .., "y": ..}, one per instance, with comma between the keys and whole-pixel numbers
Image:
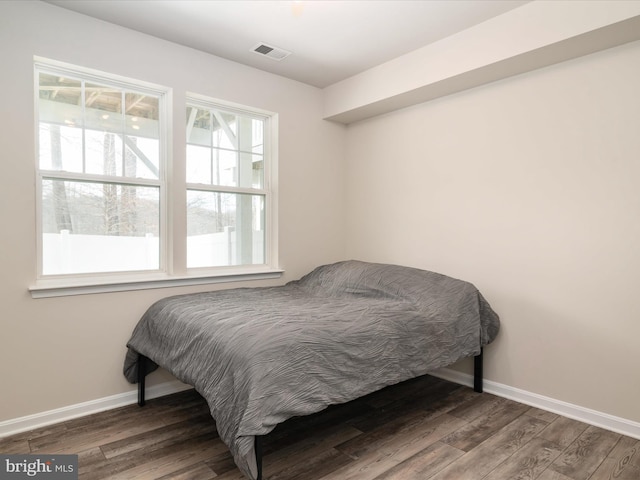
[{"x": 262, "y": 355}]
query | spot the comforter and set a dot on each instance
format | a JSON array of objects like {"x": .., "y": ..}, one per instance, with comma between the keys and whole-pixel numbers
[{"x": 262, "y": 355}]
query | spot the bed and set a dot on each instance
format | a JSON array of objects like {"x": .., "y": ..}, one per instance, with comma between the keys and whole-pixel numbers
[{"x": 262, "y": 355}]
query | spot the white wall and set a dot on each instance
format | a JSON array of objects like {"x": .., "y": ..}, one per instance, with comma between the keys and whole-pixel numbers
[
  {"x": 528, "y": 188},
  {"x": 63, "y": 351}
]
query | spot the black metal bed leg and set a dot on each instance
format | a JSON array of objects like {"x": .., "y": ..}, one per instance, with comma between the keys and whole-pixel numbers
[
  {"x": 258, "y": 449},
  {"x": 142, "y": 373},
  {"x": 477, "y": 372}
]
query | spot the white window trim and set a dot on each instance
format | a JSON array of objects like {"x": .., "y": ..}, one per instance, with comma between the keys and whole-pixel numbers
[
  {"x": 270, "y": 178},
  {"x": 79, "y": 284},
  {"x": 65, "y": 287}
]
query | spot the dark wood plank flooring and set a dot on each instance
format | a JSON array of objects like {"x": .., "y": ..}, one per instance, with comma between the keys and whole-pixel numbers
[{"x": 426, "y": 428}]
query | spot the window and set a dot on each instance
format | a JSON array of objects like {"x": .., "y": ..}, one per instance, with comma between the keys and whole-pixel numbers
[
  {"x": 105, "y": 198},
  {"x": 101, "y": 182},
  {"x": 228, "y": 198}
]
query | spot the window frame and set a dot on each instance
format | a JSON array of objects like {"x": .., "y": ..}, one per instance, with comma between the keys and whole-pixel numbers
[
  {"x": 267, "y": 190},
  {"x": 171, "y": 183}
]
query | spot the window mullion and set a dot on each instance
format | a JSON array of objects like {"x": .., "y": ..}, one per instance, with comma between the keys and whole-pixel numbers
[
  {"x": 123, "y": 120},
  {"x": 200, "y": 187},
  {"x": 213, "y": 178},
  {"x": 83, "y": 99},
  {"x": 93, "y": 178}
]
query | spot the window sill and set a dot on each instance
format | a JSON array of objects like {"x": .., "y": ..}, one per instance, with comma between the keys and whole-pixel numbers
[{"x": 65, "y": 287}]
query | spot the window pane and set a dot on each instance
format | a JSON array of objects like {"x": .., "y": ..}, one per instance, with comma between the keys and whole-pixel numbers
[
  {"x": 225, "y": 168},
  {"x": 252, "y": 172},
  {"x": 60, "y": 89},
  {"x": 199, "y": 145},
  {"x": 95, "y": 227},
  {"x": 257, "y": 136},
  {"x": 103, "y": 153},
  {"x": 141, "y": 157},
  {"x": 224, "y": 229},
  {"x": 198, "y": 126},
  {"x": 225, "y": 130},
  {"x": 60, "y": 147},
  {"x": 198, "y": 164},
  {"x": 103, "y": 108},
  {"x": 141, "y": 106},
  {"x": 141, "y": 115},
  {"x": 60, "y": 100},
  {"x": 224, "y": 148}
]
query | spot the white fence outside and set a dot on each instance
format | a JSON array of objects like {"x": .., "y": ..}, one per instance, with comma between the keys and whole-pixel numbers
[{"x": 71, "y": 253}]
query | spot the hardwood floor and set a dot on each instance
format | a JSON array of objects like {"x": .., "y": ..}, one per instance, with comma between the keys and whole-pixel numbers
[{"x": 426, "y": 428}]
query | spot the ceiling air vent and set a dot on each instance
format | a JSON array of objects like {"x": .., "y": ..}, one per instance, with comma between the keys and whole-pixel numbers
[{"x": 270, "y": 51}]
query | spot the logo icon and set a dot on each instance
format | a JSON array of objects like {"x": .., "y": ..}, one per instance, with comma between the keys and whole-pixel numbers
[{"x": 44, "y": 467}]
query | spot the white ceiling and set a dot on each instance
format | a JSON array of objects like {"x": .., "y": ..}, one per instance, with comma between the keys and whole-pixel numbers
[{"x": 330, "y": 40}]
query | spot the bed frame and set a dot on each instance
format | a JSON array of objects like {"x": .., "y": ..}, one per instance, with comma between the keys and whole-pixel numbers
[{"x": 142, "y": 373}]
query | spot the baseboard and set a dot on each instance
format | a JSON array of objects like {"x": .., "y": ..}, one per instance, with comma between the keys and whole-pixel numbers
[
  {"x": 591, "y": 417},
  {"x": 582, "y": 414},
  {"x": 31, "y": 422}
]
